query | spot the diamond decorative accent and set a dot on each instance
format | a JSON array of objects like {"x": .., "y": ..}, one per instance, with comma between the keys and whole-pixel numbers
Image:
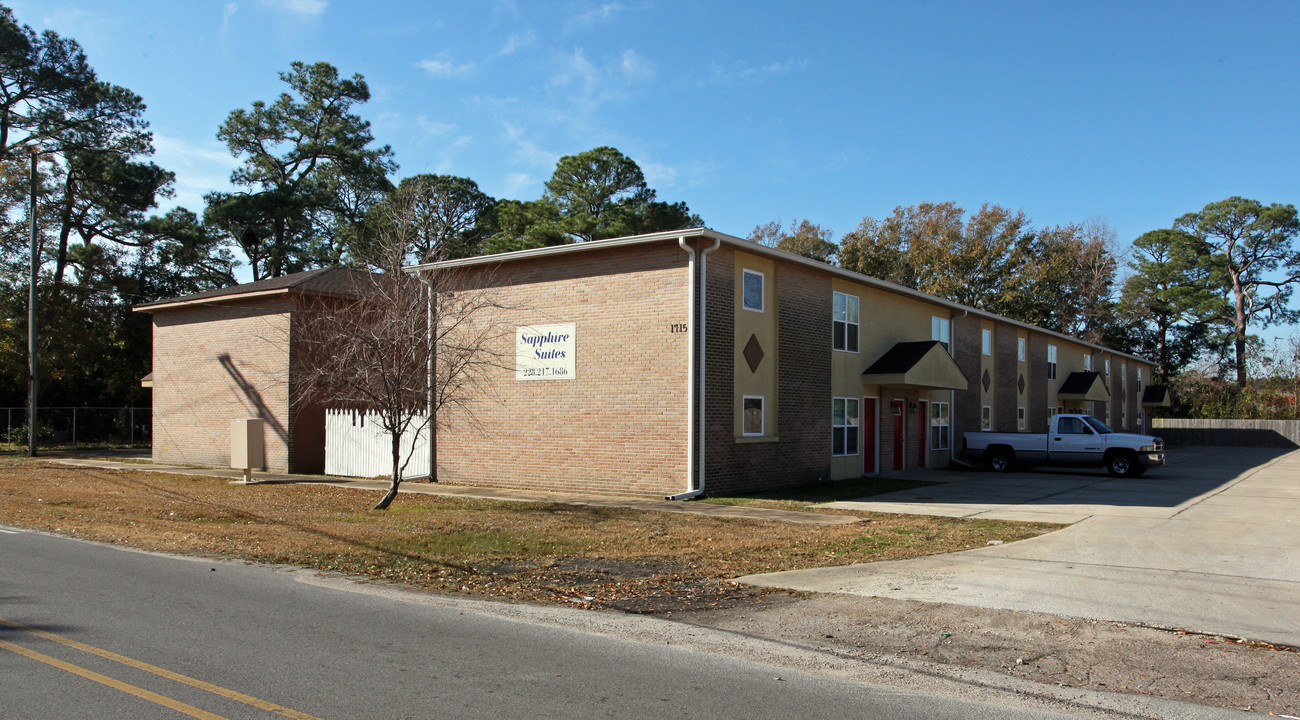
[
  {"x": 1021, "y": 383},
  {"x": 987, "y": 380},
  {"x": 753, "y": 353}
]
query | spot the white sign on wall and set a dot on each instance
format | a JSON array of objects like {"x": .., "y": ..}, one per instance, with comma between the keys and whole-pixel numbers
[{"x": 546, "y": 352}]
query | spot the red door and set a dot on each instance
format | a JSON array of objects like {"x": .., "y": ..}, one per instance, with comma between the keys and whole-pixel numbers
[
  {"x": 897, "y": 407},
  {"x": 870, "y": 457},
  {"x": 922, "y": 414}
]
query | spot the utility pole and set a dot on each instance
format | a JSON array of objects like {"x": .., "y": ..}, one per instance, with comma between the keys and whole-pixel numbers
[{"x": 31, "y": 319}]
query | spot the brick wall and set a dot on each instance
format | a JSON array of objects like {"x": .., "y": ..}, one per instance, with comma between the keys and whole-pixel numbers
[
  {"x": 803, "y": 302},
  {"x": 620, "y": 426},
  {"x": 966, "y": 347},
  {"x": 216, "y": 363},
  {"x": 1006, "y": 393}
]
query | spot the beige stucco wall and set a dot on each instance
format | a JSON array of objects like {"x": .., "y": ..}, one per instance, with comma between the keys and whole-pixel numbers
[{"x": 763, "y": 327}]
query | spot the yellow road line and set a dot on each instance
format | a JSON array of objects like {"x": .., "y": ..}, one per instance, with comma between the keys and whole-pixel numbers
[
  {"x": 139, "y": 692},
  {"x": 162, "y": 672}
]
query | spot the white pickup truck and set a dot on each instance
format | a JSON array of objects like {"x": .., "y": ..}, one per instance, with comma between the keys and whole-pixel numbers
[{"x": 1074, "y": 440}]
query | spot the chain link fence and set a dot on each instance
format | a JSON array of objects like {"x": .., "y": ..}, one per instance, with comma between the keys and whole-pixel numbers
[{"x": 71, "y": 427}]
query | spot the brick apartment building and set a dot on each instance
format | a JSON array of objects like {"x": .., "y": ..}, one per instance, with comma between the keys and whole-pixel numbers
[{"x": 668, "y": 363}]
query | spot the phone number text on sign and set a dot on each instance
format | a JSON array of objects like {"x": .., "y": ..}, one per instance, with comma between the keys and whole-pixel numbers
[{"x": 546, "y": 352}]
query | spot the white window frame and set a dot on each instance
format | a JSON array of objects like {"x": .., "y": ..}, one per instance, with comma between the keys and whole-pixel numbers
[
  {"x": 1020, "y": 349},
  {"x": 852, "y": 429},
  {"x": 762, "y": 290},
  {"x": 1022, "y": 418},
  {"x": 855, "y": 323},
  {"x": 762, "y": 415},
  {"x": 1107, "y": 368},
  {"x": 941, "y": 330},
  {"x": 986, "y": 341},
  {"x": 1051, "y": 362},
  {"x": 986, "y": 417},
  {"x": 1139, "y": 379},
  {"x": 940, "y": 410},
  {"x": 1087, "y": 362}
]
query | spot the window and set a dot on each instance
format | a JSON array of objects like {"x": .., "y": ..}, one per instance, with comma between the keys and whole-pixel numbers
[
  {"x": 1051, "y": 362},
  {"x": 1070, "y": 426},
  {"x": 846, "y": 322},
  {"x": 939, "y": 329},
  {"x": 986, "y": 418},
  {"x": 1123, "y": 381},
  {"x": 1139, "y": 378},
  {"x": 844, "y": 426},
  {"x": 753, "y": 290},
  {"x": 1020, "y": 349},
  {"x": 752, "y": 415},
  {"x": 986, "y": 342},
  {"x": 1087, "y": 362},
  {"x": 939, "y": 426},
  {"x": 1107, "y": 368},
  {"x": 1020, "y": 418}
]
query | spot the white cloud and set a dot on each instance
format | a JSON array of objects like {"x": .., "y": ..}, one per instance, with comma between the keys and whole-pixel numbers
[
  {"x": 719, "y": 73},
  {"x": 517, "y": 42},
  {"x": 519, "y": 183},
  {"x": 431, "y": 127},
  {"x": 576, "y": 68},
  {"x": 199, "y": 168},
  {"x": 635, "y": 67},
  {"x": 591, "y": 17},
  {"x": 658, "y": 175},
  {"x": 526, "y": 150},
  {"x": 227, "y": 13},
  {"x": 442, "y": 67},
  {"x": 305, "y": 8}
]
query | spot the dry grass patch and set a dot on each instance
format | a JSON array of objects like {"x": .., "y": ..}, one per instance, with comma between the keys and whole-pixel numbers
[{"x": 599, "y": 557}]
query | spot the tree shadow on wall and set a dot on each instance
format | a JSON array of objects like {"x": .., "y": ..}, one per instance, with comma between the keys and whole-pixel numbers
[{"x": 253, "y": 396}]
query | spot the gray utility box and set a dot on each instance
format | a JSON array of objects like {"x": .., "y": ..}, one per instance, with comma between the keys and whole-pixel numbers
[{"x": 247, "y": 451}]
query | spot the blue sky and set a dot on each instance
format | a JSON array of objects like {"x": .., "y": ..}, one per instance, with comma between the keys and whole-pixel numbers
[{"x": 1129, "y": 112}]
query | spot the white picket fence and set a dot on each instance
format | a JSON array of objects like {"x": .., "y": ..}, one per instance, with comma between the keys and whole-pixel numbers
[{"x": 357, "y": 446}]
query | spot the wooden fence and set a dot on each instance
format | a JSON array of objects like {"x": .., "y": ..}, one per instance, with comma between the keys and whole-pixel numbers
[
  {"x": 1231, "y": 433},
  {"x": 355, "y": 446}
]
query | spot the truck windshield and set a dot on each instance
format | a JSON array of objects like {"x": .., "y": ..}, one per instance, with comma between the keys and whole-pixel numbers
[{"x": 1097, "y": 425}]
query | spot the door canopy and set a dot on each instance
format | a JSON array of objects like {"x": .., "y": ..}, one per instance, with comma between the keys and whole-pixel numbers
[{"x": 923, "y": 365}]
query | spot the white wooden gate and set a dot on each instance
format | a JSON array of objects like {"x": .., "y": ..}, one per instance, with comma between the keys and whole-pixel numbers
[{"x": 357, "y": 446}]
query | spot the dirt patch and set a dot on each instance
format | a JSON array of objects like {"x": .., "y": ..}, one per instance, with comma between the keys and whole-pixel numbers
[{"x": 1070, "y": 652}]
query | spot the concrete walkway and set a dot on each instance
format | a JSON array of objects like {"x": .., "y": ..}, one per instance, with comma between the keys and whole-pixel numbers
[
  {"x": 1209, "y": 543},
  {"x": 486, "y": 493}
]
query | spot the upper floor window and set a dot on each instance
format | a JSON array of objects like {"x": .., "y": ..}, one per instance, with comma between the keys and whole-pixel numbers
[
  {"x": 1107, "y": 368},
  {"x": 1087, "y": 362},
  {"x": 1020, "y": 349},
  {"x": 752, "y": 297},
  {"x": 1051, "y": 362},
  {"x": 940, "y": 330},
  {"x": 986, "y": 342},
  {"x": 846, "y": 322},
  {"x": 1139, "y": 379}
]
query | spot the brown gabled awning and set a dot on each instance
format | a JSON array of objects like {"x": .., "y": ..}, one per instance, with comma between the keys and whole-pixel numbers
[
  {"x": 1083, "y": 386},
  {"x": 1156, "y": 396},
  {"x": 925, "y": 365}
]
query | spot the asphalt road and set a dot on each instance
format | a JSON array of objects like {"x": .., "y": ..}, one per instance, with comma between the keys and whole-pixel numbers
[{"x": 89, "y": 630}]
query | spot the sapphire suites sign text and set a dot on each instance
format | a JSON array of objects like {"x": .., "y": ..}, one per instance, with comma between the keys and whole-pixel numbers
[{"x": 546, "y": 352}]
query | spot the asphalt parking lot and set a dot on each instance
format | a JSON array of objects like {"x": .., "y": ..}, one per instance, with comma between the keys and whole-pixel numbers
[{"x": 1210, "y": 543}]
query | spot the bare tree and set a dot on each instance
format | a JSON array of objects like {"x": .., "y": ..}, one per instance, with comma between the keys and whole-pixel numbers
[{"x": 399, "y": 346}]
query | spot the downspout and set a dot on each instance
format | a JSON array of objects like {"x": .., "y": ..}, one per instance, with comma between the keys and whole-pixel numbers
[{"x": 695, "y": 372}]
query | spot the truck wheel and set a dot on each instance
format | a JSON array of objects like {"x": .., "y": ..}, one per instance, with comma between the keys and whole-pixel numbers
[
  {"x": 1122, "y": 464},
  {"x": 1000, "y": 460}
]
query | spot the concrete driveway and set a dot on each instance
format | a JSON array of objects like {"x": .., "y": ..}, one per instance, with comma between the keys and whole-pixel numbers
[{"x": 1209, "y": 543}]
